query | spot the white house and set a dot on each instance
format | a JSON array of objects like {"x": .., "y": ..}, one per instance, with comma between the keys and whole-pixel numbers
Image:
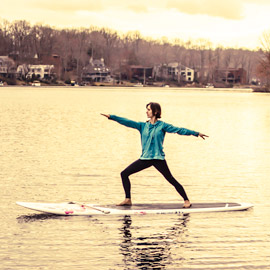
[
  {"x": 40, "y": 71},
  {"x": 174, "y": 71},
  {"x": 187, "y": 73}
]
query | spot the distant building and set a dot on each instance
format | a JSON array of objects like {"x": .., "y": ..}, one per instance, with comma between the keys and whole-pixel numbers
[
  {"x": 187, "y": 74},
  {"x": 173, "y": 71},
  {"x": 139, "y": 73},
  {"x": 96, "y": 71},
  {"x": 231, "y": 76},
  {"x": 40, "y": 71},
  {"x": 7, "y": 67}
]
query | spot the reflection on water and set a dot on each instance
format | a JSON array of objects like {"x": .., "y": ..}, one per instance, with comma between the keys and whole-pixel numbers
[
  {"x": 36, "y": 217},
  {"x": 55, "y": 147},
  {"x": 148, "y": 252}
]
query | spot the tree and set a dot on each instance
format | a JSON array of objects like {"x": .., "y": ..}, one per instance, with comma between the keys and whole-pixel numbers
[
  {"x": 263, "y": 68},
  {"x": 111, "y": 39},
  {"x": 20, "y": 32},
  {"x": 81, "y": 44},
  {"x": 5, "y": 39},
  {"x": 44, "y": 39}
]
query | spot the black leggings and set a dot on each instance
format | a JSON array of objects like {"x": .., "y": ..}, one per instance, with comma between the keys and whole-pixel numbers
[{"x": 160, "y": 165}]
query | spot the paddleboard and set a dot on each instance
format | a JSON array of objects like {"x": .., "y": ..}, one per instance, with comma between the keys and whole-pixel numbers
[{"x": 84, "y": 209}]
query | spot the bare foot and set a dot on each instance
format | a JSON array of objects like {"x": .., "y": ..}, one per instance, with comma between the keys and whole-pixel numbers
[
  {"x": 125, "y": 202},
  {"x": 187, "y": 204}
]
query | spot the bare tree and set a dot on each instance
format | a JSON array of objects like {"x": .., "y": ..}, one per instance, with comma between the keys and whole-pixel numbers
[
  {"x": 44, "y": 39},
  {"x": 251, "y": 61},
  {"x": 5, "y": 39},
  {"x": 227, "y": 58},
  {"x": 203, "y": 47},
  {"x": 20, "y": 32},
  {"x": 81, "y": 42},
  {"x": 263, "y": 68},
  {"x": 111, "y": 39}
]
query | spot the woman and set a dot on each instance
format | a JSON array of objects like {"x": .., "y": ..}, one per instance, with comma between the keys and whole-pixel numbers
[{"x": 152, "y": 137}]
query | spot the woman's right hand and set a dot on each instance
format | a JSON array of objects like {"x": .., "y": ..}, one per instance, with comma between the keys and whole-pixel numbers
[{"x": 106, "y": 115}]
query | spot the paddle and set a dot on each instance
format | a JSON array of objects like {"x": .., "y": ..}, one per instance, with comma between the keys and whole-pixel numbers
[{"x": 91, "y": 207}]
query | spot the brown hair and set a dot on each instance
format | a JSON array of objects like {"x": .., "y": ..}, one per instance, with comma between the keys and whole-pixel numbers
[{"x": 156, "y": 109}]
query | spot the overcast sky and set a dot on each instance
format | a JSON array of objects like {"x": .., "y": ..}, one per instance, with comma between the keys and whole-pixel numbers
[{"x": 237, "y": 23}]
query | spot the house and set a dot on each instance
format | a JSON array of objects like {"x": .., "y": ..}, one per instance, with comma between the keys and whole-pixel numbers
[
  {"x": 139, "y": 72},
  {"x": 187, "y": 74},
  {"x": 7, "y": 67},
  {"x": 96, "y": 71},
  {"x": 231, "y": 76},
  {"x": 40, "y": 72},
  {"x": 173, "y": 71}
]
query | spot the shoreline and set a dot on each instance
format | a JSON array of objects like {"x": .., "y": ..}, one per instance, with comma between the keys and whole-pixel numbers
[
  {"x": 247, "y": 90},
  {"x": 196, "y": 87}
]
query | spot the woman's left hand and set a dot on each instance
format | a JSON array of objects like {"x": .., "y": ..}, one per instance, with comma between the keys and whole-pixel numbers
[{"x": 202, "y": 135}]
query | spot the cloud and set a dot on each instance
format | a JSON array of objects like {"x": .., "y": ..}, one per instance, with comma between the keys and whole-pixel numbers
[
  {"x": 230, "y": 9},
  {"x": 138, "y": 8},
  {"x": 257, "y": 2},
  {"x": 91, "y": 5},
  {"x": 68, "y": 5}
]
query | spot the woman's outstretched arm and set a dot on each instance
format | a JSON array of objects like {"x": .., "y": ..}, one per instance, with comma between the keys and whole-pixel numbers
[
  {"x": 182, "y": 131},
  {"x": 124, "y": 121}
]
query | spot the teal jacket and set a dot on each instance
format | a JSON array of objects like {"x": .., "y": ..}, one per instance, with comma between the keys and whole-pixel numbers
[{"x": 152, "y": 136}]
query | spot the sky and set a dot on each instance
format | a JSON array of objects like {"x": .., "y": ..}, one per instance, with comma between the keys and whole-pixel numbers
[{"x": 227, "y": 23}]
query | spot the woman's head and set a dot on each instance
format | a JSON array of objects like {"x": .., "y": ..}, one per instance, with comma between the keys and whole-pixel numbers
[{"x": 154, "y": 108}]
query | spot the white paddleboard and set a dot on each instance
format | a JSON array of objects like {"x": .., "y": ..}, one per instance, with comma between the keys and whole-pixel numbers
[{"x": 81, "y": 209}]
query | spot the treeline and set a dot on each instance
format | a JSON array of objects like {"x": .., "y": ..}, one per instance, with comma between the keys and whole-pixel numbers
[{"x": 76, "y": 46}]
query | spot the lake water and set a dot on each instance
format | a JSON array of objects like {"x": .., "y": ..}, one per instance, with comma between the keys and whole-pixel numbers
[{"x": 55, "y": 146}]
